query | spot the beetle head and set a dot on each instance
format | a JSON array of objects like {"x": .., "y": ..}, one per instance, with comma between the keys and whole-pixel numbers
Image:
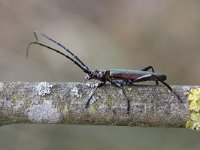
[{"x": 96, "y": 74}]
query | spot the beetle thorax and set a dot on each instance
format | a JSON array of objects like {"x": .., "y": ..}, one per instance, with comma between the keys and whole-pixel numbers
[{"x": 96, "y": 74}]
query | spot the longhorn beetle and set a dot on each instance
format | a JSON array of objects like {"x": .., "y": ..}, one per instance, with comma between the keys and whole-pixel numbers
[{"x": 117, "y": 77}]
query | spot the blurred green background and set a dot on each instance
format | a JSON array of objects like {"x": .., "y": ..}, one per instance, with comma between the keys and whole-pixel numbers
[{"x": 105, "y": 34}]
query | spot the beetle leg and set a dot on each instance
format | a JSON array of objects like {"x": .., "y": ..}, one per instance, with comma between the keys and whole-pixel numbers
[
  {"x": 147, "y": 68},
  {"x": 120, "y": 84},
  {"x": 89, "y": 99},
  {"x": 143, "y": 78},
  {"x": 169, "y": 87},
  {"x": 153, "y": 77}
]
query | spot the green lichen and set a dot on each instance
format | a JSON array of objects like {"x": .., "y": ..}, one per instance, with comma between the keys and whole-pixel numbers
[{"x": 194, "y": 98}]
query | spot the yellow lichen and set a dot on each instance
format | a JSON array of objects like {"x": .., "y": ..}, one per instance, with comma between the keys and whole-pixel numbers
[{"x": 194, "y": 98}]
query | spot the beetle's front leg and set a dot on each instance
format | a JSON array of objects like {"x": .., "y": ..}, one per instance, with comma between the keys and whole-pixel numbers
[{"x": 89, "y": 99}]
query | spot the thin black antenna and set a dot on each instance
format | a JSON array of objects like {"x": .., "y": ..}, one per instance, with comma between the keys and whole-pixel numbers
[
  {"x": 52, "y": 40},
  {"x": 57, "y": 51}
]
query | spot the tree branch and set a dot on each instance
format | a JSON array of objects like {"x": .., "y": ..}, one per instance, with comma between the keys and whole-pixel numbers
[{"x": 42, "y": 102}]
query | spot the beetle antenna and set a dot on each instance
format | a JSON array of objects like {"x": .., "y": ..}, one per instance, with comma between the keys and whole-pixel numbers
[
  {"x": 57, "y": 43},
  {"x": 57, "y": 51}
]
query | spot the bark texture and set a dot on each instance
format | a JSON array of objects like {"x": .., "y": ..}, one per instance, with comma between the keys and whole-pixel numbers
[{"x": 63, "y": 102}]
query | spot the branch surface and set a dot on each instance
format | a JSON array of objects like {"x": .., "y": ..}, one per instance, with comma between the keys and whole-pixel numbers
[{"x": 64, "y": 102}]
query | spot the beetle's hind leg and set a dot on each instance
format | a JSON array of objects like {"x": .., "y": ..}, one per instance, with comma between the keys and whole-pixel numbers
[
  {"x": 169, "y": 87},
  {"x": 148, "y": 76},
  {"x": 120, "y": 84},
  {"x": 147, "y": 68}
]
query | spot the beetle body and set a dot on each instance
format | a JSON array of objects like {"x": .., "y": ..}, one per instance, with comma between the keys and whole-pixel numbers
[
  {"x": 134, "y": 74},
  {"x": 117, "y": 77},
  {"x": 129, "y": 76}
]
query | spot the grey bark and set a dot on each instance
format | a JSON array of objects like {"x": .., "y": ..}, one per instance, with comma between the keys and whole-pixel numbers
[{"x": 59, "y": 102}]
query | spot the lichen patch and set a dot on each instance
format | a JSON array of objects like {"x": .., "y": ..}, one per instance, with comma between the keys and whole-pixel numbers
[
  {"x": 1, "y": 86},
  {"x": 194, "y": 98},
  {"x": 43, "y": 88},
  {"x": 43, "y": 112},
  {"x": 7, "y": 104},
  {"x": 17, "y": 105},
  {"x": 75, "y": 92},
  {"x": 91, "y": 85},
  {"x": 121, "y": 92}
]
